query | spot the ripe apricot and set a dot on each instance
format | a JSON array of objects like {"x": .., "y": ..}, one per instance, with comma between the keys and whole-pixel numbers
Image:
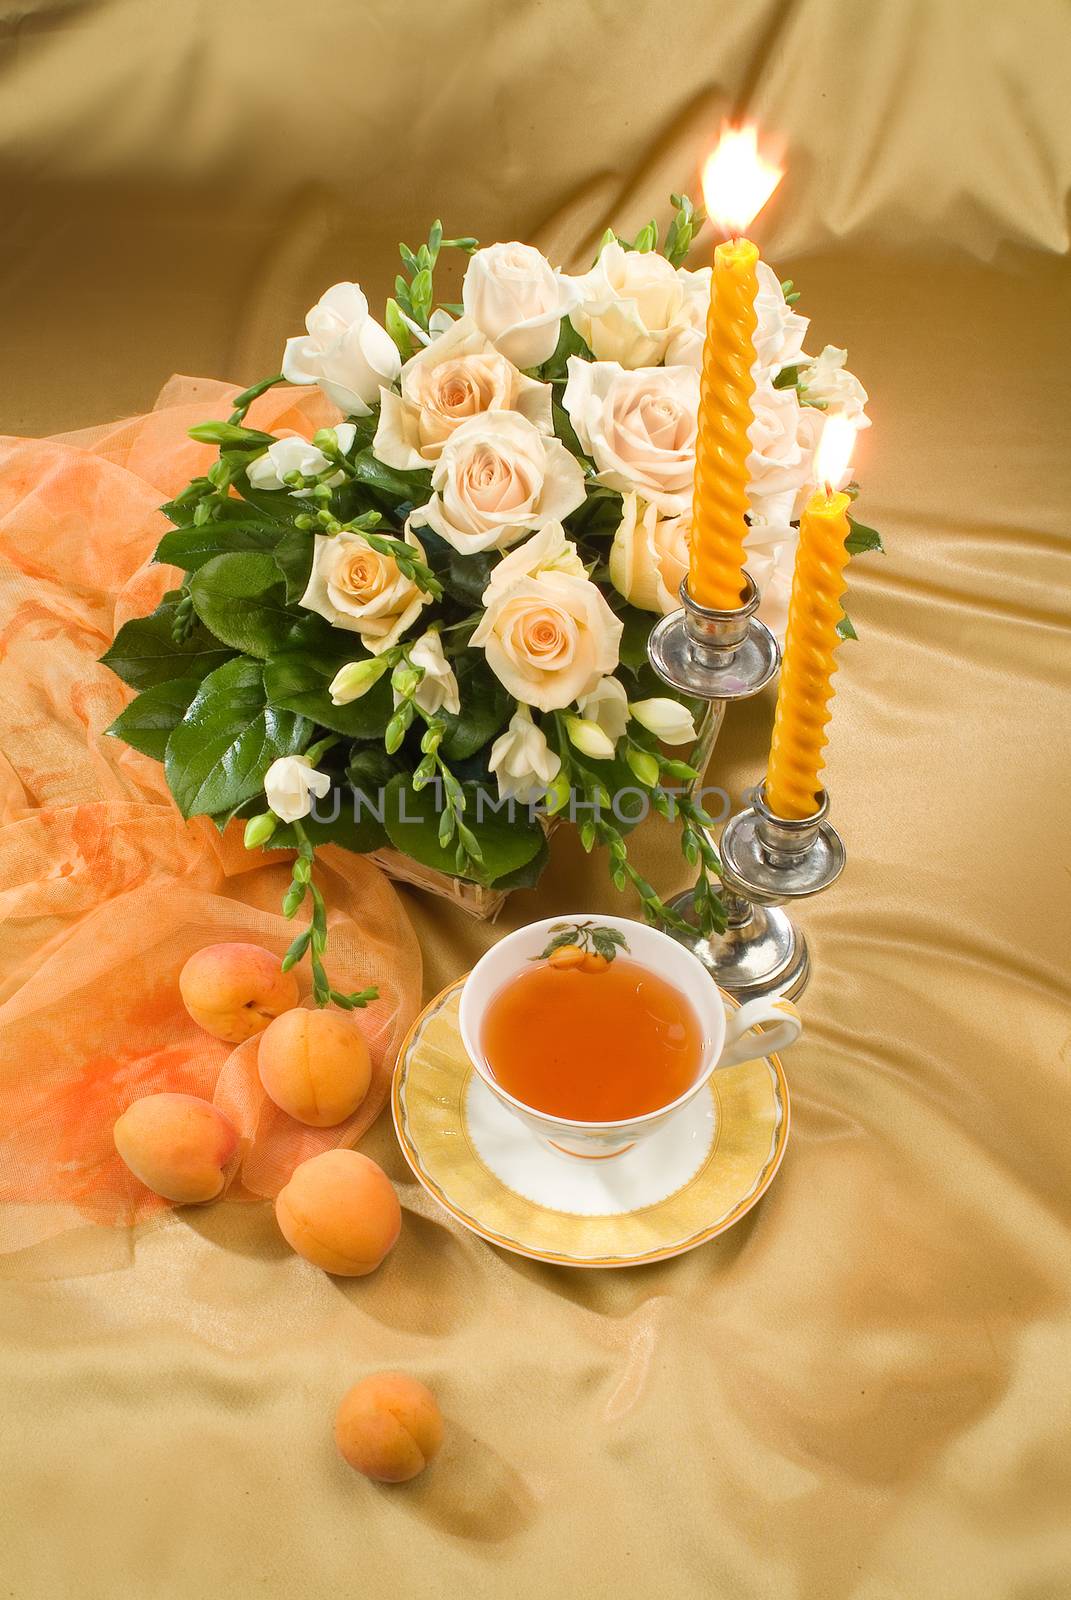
[
  {"x": 315, "y": 1066},
  {"x": 389, "y": 1427},
  {"x": 593, "y": 962},
  {"x": 234, "y": 990},
  {"x": 177, "y": 1145},
  {"x": 340, "y": 1212},
  {"x": 566, "y": 956}
]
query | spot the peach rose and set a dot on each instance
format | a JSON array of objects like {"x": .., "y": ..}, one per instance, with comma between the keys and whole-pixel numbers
[
  {"x": 458, "y": 376},
  {"x": 549, "y": 638},
  {"x": 649, "y": 556},
  {"x": 355, "y": 587},
  {"x": 497, "y": 478}
]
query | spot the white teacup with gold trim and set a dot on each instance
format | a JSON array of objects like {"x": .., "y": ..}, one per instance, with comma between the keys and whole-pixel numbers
[{"x": 725, "y": 1037}]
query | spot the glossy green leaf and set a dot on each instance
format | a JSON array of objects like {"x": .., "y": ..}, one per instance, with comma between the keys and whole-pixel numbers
[
  {"x": 242, "y": 600},
  {"x": 218, "y": 754},
  {"x": 299, "y": 680},
  {"x": 143, "y": 653},
  {"x": 485, "y": 708},
  {"x": 191, "y": 547},
  {"x": 147, "y": 722}
]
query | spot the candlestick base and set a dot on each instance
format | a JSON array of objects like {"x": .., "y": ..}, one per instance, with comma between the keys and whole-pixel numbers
[
  {"x": 766, "y": 859},
  {"x": 715, "y": 655}
]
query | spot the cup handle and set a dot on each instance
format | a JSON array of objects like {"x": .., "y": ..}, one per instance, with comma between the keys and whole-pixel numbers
[{"x": 780, "y": 1023}]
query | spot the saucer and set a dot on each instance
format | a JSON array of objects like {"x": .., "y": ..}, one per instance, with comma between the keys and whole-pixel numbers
[{"x": 696, "y": 1175}]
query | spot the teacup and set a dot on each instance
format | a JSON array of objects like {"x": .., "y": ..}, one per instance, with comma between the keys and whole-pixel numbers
[{"x": 726, "y": 1038}]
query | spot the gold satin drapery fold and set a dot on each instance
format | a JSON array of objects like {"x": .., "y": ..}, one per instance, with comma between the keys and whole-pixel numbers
[{"x": 861, "y": 1390}]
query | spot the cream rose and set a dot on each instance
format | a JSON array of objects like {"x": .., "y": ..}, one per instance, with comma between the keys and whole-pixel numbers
[
  {"x": 783, "y": 437},
  {"x": 649, "y": 556},
  {"x": 347, "y": 353},
  {"x": 770, "y": 551},
  {"x": 355, "y": 587},
  {"x": 638, "y": 426},
  {"x": 549, "y": 639},
  {"x": 458, "y": 376},
  {"x": 779, "y": 331},
  {"x": 632, "y": 306},
  {"x": 515, "y": 297},
  {"x": 497, "y": 478}
]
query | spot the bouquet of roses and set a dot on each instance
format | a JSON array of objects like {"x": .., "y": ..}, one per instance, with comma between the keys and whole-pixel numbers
[{"x": 427, "y": 625}]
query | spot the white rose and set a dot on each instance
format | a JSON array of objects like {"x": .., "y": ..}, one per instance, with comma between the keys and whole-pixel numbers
[
  {"x": 518, "y": 300},
  {"x": 649, "y": 556},
  {"x": 638, "y": 426},
  {"x": 549, "y": 639},
  {"x": 497, "y": 478},
  {"x": 458, "y": 376},
  {"x": 522, "y": 760},
  {"x": 355, "y": 587},
  {"x": 438, "y": 688},
  {"x": 607, "y": 707},
  {"x": 783, "y": 437},
  {"x": 295, "y": 454},
  {"x": 347, "y": 353},
  {"x": 632, "y": 305},
  {"x": 685, "y": 348},
  {"x": 667, "y": 719},
  {"x": 827, "y": 380},
  {"x": 289, "y": 784},
  {"x": 546, "y": 551}
]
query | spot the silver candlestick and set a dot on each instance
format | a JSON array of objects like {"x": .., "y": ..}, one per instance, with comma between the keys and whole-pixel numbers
[
  {"x": 730, "y": 655},
  {"x": 765, "y": 861}
]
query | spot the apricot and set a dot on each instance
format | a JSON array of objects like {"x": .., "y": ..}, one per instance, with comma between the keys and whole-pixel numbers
[
  {"x": 234, "y": 990},
  {"x": 315, "y": 1066},
  {"x": 389, "y": 1427},
  {"x": 594, "y": 962},
  {"x": 566, "y": 956},
  {"x": 340, "y": 1212},
  {"x": 177, "y": 1145}
]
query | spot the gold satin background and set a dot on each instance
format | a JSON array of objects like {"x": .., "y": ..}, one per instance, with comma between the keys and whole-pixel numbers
[{"x": 862, "y": 1389}]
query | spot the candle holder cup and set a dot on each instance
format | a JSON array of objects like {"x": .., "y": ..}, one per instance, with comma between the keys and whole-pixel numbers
[
  {"x": 715, "y": 655},
  {"x": 766, "y": 860}
]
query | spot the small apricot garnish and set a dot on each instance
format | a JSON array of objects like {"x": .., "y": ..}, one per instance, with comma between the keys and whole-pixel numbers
[
  {"x": 566, "y": 956},
  {"x": 593, "y": 962}
]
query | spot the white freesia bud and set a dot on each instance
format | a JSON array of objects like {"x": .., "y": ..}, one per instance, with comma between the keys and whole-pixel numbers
[
  {"x": 438, "y": 688},
  {"x": 295, "y": 454},
  {"x": 289, "y": 784},
  {"x": 666, "y": 719},
  {"x": 355, "y": 679},
  {"x": 827, "y": 380},
  {"x": 345, "y": 351},
  {"x": 517, "y": 299},
  {"x": 589, "y": 738},
  {"x": 522, "y": 760},
  {"x": 607, "y": 707}
]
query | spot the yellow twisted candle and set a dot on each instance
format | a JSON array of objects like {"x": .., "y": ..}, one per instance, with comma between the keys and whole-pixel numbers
[
  {"x": 808, "y": 665},
  {"x": 719, "y": 503}
]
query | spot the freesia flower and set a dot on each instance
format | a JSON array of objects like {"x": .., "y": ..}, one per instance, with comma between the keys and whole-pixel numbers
[
  {"x": 289, "y": 785},
  {"x": 589, "y": 738},
  {"x": 438, "y": 688},
  {"x": 522, "y": 760},
  {"x": 827, "y": 380},
  {"x": 295, "y": 454},
  {"x": 344, "y": 350},
  {"x": 515, "y": 297},
  {"x": 667, "y": 719},
  {"x": 607, "y": 707}
]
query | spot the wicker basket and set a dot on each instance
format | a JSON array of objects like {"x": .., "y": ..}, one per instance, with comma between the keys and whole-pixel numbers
[{"x": 485, "y": 904}]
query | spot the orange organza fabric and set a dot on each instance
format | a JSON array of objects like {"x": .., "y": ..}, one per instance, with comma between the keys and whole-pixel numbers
[{"x": 104, "y": 890}]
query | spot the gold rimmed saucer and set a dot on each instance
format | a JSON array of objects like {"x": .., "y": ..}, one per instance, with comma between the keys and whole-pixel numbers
[{"x": 697, "y": 1175}]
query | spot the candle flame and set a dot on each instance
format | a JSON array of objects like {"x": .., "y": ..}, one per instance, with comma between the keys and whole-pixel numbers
[
  {"x": 834, "y": 453},
  {"x": 737, "y": 181}
]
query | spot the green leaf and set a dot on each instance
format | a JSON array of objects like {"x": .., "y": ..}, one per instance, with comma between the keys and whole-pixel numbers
[
  {"x": 218, "y": 754},
  {"x": 564, "y": 430},
  {"x": 638, "y": 625},
  {"x": 506, "y": 838},
  {"x": 242, "y": 599},
  {"x": 845, "y": 629},
  {"x": 411, "y": 486},
  {"x": 143, "y": 652},
  {"x": 862, "y": 538},
  {"x": 147, "y": 721},
  {"x": 569, "y": 344},
  {"x": 298, "y": 680},
  {"x": 293, "y": 556},
  {"x": 463, "y": 577},
  {"x": 528, "y": 876},
  {"x": 191, "y": 547},
  {"x": 485, "y": 708},
  {"x": 354, "y": 828}
]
